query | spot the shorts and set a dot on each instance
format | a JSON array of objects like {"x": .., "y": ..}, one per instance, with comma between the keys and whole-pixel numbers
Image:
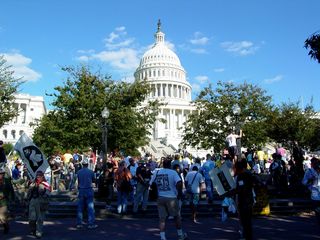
[
  {"x": 233, "y": 151},
  {"x": 194, "y": 199},
  {"x": 168, "y": 207}
]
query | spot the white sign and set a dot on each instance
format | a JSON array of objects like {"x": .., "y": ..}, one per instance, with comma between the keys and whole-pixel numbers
[
  {"x": 31, "y": 155},
  {"x": 222, "y": 180}
]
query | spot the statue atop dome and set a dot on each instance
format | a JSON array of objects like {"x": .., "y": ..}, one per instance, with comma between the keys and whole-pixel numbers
[
  {"x": 159, "y": 36},
  {"x": 159, "y": 26}
]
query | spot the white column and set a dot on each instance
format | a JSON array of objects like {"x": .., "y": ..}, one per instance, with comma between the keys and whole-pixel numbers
[
  {"x": 161, "y": 91},
  {"x": 167, "y": 89},
  {"x": 156, "y": 88},
  {"x": 172, "y": 113}
]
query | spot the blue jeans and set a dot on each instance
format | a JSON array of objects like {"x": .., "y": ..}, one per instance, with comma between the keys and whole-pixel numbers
[
  {"x": 122, "y": 200},
  {"x": 85, "y": 196},
  {"x": 142, "y": 192},
  {"x": 209, "y": 189}
]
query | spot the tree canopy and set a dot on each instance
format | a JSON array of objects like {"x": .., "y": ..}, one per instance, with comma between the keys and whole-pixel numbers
[
  {"x": 313, "y": 44},
  {"x": 291, "y": 124},
  {"x": 76, "y": 121},
  {"x": 8, "y": 87},
  {"x": 214, "y": 118}
]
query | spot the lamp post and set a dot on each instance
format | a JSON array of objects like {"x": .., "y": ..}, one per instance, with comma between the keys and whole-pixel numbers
[
  {"x": 105, "y": 114},
  {"x": 236, "y": 112}
]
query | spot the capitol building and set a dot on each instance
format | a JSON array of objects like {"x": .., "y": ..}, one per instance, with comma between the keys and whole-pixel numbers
[
  {"x": 162, "y": 69},
  {"x": 30, "y": 109}
]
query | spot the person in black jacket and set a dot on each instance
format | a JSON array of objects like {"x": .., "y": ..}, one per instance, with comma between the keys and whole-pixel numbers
[{"x": 244, "y": 197}]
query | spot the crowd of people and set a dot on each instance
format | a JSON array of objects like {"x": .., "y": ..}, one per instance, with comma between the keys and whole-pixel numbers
[{"x": 172, "y": 181}]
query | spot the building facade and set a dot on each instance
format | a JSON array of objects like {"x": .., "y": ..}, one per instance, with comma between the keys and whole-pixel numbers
[
  {"x": 30, "y": 108},
  {"x": 161, "y": 67}
]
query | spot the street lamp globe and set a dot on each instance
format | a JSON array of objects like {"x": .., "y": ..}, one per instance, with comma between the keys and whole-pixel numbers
[{"x": 105, "y": 113}]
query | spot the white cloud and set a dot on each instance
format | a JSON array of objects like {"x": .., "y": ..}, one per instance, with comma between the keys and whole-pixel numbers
[
  {"x": 242, "y": 48},
  {"x": 199, "y": 39},
  {"x": 199, "y": 50},
  {"x": 170, "y": 45},
  {"x": 273, "y": 80},
  {"x": 202, "y": 79},
  {"x": 196, "y": 88},
  {"x": 128, "y": 79},
  {"x": 219, "y": 70},
  {"x": 20, "y": 66},
  {"x": 122, "y": 59},
  {"x": 120, "y": 52},
  {"x": 118, "y": 39}
]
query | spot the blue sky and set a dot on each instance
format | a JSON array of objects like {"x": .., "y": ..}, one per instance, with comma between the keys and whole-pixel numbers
[{"x": 260, "y": 42}]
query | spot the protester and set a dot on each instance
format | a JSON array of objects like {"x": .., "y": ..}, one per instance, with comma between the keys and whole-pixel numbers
[
  {"x": 108, "y": 183},
  {"x": 38, "y": 196},
  {"x": 142, "y": 192},
  {"x": 3, "y": 158},
  {"x": 85, "y": 195},
  {"x": 206, "y": 168},
  {"x": 193, "y": 182},
  {"x": 169, "y": 187},
  {"x": 122, "y": 180},
  {"x": 311, "y": 179},
  {"x": 244, "y": 198},
  {"x": 4, "y": 198},
  {"x": 16, "y": 172},
  {"x": 231, "y": 140}
]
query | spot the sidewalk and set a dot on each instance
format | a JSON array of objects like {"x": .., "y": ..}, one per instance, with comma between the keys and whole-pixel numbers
[{"x": 289, "y": 227}]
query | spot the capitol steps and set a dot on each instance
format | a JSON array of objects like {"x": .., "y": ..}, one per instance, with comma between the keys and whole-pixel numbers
[{"x": 64, "y": 205}]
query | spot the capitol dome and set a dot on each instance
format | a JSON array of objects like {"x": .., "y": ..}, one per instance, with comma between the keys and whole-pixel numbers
[{"x": 161, "y": 67}]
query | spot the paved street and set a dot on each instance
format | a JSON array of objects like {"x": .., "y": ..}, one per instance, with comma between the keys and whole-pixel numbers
[{"x": 287, "y": 227}]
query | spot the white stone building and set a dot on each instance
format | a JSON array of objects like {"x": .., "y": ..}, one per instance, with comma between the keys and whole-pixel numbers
[
  {"x": 31, "y": 108},
  {"x": 161, "y": 67}
]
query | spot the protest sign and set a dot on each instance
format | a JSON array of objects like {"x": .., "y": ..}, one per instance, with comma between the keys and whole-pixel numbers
[
  {"x": 222, "y": 180},
  {"x": 31, "y": 155}
]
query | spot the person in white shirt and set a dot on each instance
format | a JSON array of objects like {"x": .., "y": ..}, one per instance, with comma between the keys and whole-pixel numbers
[
  {"x": 193, "y": 182},
  {"x": 231, "y": 139},
  {"x": 169, "y": 187}
]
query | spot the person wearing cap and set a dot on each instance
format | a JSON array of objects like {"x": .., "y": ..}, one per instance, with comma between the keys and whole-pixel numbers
[
  {"x": 4, "y": 197},
  {"x": 38, "y": 196},
  {"x": 85, "y": 195}
]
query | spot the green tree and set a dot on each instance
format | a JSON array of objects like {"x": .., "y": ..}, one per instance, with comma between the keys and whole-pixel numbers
[
  {"x": 214, "y": 118},
  {"x": 313, "y": 44},
  {"x": 8, "y": 87},
  {"x": 290, "y": 123},
  {"x": 76, "y": 120}
]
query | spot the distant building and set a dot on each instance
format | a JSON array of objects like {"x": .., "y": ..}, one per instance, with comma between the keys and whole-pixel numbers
[{"x": 31, "y": 108}]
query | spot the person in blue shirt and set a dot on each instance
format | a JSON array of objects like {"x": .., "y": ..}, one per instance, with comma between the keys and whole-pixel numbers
[
  {"x": 16, "y": 173},
  {"x": 206, "y": 168},
  {"x": 85, "y": 195}
]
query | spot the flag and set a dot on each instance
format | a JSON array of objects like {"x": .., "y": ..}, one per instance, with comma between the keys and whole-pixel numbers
[{"x": 31, "y": 155}]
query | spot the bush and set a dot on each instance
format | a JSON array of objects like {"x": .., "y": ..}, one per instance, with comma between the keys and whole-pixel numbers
[{"x": 8, "y": 147}]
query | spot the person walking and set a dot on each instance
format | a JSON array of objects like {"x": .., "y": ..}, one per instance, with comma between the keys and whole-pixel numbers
[
  {"x": 4, "y": 197},
  {"x": 194, "y": 179},
  {"x": 85, "y": 195},
  {"x": 38, "y": 196},
  {"x": 3, "y": 158},
  {"x": 244, "y": 197},
  {"x": 142, "y": 191},
  {"x": 169, "y": 187},
  {"x": 122, "y": 181},
  {"x": 207, "y": 166}
]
